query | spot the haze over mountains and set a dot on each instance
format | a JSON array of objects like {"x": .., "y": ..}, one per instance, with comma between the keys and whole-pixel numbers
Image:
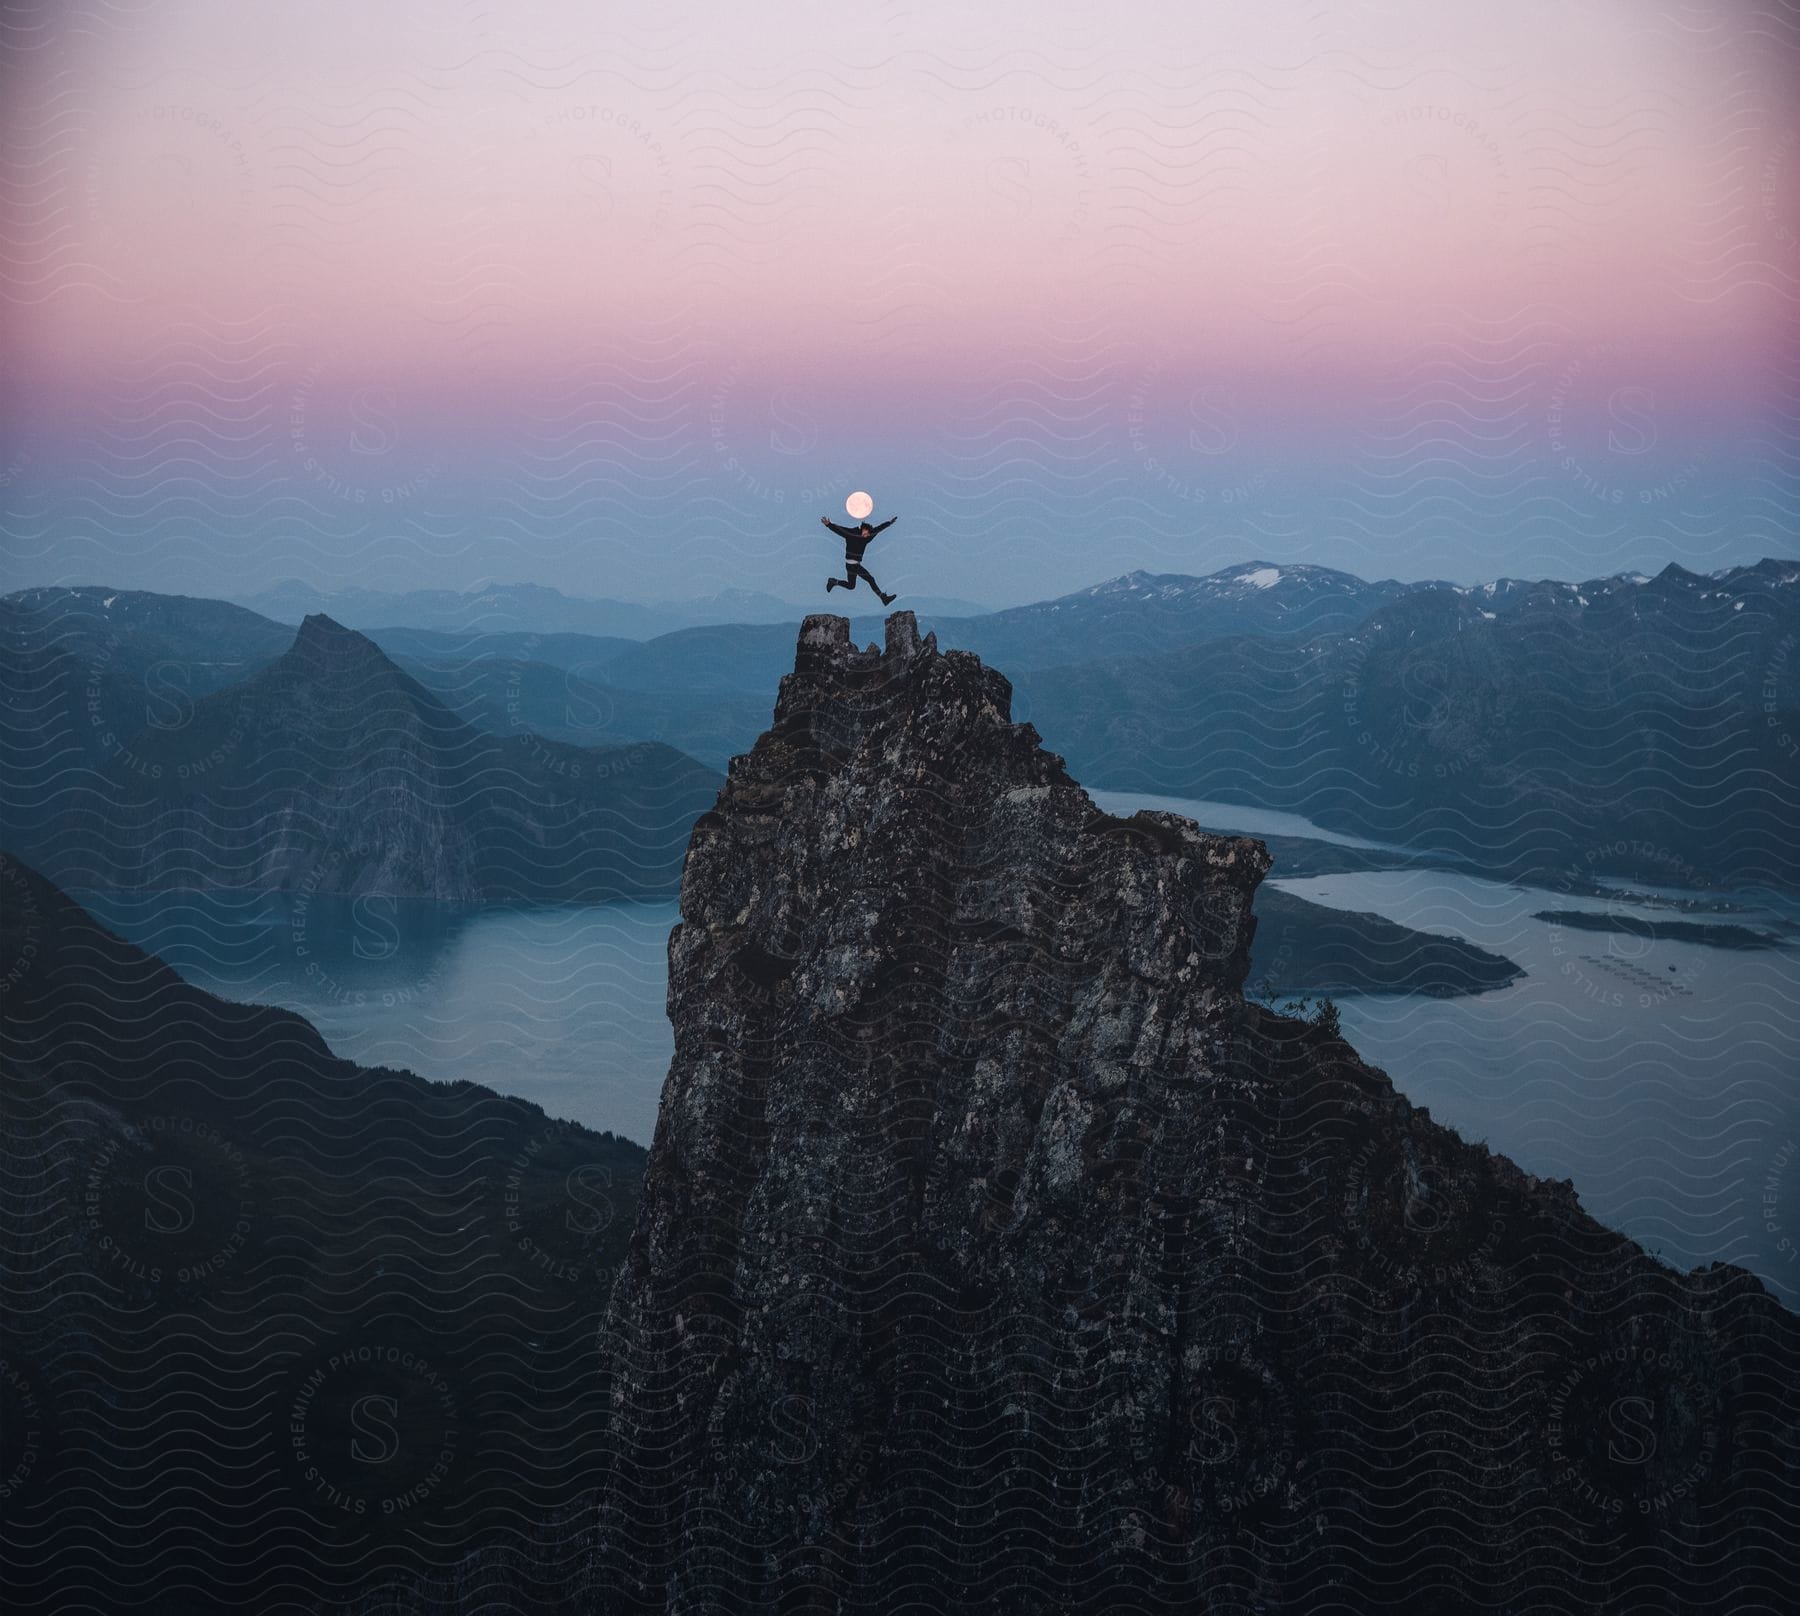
[
  {"x": 1643, "y": 726},
  {"x": 330, "y": 771},
  {"x": 1629, "y": 725},
  {"x": 537, "y": 608}
]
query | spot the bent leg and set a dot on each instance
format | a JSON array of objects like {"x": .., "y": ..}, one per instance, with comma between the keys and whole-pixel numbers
[{"x": 857, "y": 570}]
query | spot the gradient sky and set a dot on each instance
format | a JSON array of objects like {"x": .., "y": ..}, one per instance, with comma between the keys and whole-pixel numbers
[{"x": 623, "y": 299}]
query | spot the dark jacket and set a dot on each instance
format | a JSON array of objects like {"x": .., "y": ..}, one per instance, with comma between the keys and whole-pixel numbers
[{"x": 854, "y": 541}]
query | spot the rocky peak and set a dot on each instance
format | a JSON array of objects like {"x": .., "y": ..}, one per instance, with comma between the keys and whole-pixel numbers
[
  {"x": 995, "y": 1253},
  {"x": 900, "y": 771},
  {"x": 340, "y": 688},
  {"x": 324, "y": 648}
]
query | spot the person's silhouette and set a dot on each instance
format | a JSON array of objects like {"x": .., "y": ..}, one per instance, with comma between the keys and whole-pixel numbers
[{"x": 856, "y": 540}]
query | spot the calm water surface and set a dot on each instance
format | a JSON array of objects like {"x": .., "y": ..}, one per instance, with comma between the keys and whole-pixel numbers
[
  {"x": 560, "y": 1005},
  {"x": 1662, "y": 1078}
]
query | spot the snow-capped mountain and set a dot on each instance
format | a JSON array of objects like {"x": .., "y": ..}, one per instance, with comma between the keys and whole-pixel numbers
[{"x": 1142, "y": 613}]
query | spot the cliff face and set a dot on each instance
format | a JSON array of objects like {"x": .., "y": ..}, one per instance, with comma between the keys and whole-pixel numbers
[{"x": 995, "y": 1254}]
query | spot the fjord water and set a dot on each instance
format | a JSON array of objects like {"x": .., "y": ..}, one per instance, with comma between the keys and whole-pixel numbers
[
  {"x": 1660, "y": 1077},
  {"x": 561, "y": 1005}
]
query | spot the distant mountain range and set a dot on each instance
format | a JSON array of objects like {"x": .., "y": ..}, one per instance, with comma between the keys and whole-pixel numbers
[
  {"x": 1634, "y": 725},
  {"x": 1624, "y": 725},
  {"x": 329, "y": 771},
  {"x": 537, "y": 609},
  {"x": 1516, "y": 725},
  {"x": 1135, "y": 615}
]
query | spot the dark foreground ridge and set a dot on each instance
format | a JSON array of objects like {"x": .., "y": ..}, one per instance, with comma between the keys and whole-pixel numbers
[
  {"x": 281, "y": 1330},
  {"x": 996, "y": 1255}
]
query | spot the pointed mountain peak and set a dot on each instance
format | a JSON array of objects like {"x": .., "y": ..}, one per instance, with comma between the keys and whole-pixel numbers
[
  {"x": 317, "y": 627},
  {"x": 323, "y": 646},
  {"x": 349, "y": 670}
]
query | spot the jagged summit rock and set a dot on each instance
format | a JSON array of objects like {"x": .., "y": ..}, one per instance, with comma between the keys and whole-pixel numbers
[
  {"x": 996, "y": 1254},
  {"x": 822, "y": 632}
]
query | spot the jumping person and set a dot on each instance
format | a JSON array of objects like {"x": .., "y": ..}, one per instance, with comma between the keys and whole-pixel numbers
[{"x": 856, "y": 540}]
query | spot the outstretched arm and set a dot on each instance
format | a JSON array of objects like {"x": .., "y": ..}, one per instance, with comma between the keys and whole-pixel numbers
[
  {"x": 881, "y": 527},
  {"x": 841, "y": 532}
]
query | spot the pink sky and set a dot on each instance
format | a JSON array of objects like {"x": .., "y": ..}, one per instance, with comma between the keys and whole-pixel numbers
[
  {"x": 1203, "y": 183},
  {"x": 493, "y": 217}
]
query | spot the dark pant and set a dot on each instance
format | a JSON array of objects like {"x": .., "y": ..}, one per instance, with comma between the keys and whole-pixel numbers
[{"x": 854, "y": 570}]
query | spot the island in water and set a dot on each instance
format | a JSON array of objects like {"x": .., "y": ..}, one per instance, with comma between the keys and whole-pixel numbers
[{"x": 1712, "y": 934}]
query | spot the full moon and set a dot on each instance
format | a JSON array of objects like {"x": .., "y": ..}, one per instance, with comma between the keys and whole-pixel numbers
[{"x": 859, "y": 505}]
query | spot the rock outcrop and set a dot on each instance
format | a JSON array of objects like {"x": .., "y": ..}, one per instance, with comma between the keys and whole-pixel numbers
[{"x": 996, "y": 1255}]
